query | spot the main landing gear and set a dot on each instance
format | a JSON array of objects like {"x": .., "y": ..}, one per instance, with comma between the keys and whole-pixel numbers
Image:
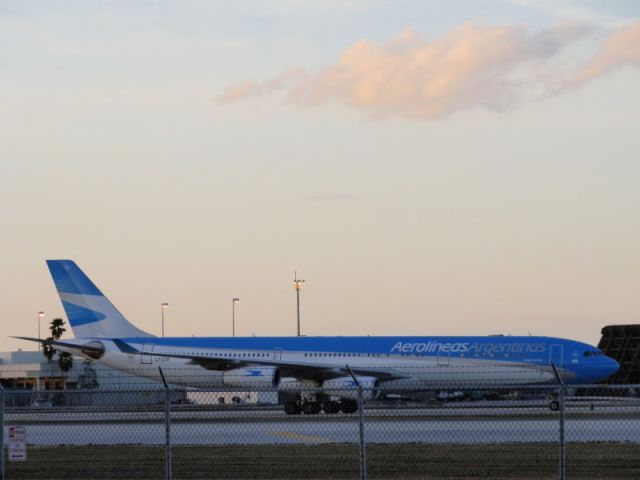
[{"x": 315, "y": 406}]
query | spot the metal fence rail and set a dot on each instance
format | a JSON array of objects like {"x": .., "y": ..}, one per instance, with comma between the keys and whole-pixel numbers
[{"x": 423, "y": 433}]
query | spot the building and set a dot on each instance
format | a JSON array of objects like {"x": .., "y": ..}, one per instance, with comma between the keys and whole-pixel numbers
[
  {"x": 622, "y": 343},
  {"x": 30, "y": 379}
]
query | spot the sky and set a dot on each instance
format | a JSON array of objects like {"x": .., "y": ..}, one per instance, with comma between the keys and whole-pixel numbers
[{"x": 428, "y": 167}]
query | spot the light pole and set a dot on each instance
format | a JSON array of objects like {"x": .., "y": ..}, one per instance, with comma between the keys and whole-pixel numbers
[
  {"x": 162, "y": 307},
  {"x": 40, "y": 315},
  {"x": 233, "y": 315},
  {"x": 298, "y": 284}
]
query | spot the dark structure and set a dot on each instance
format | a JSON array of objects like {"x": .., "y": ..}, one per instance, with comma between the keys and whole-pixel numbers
[{"x": 622, "y": 343}]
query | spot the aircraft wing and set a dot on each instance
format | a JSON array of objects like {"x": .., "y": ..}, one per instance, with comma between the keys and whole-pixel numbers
[{"x": 314, "y": 371}]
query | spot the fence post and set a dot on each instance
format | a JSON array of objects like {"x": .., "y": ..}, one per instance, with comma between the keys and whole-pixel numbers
[
  {"x": 1, "y": 432},
  {"x": 562, "y": 442},
  {"x": 363, "y": 445},
  {"x": 562, "y": 464},
  {"x": 167, "y": 427}
]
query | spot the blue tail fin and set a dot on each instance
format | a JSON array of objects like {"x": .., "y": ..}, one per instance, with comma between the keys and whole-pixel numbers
[{"x": 90, "y": 313}]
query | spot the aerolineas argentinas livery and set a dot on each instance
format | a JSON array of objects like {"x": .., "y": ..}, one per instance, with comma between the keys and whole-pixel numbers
[{"x": 104, "y": 334}]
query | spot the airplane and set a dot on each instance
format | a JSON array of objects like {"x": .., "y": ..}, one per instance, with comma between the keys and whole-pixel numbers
[{"x": 332, "y": 366}]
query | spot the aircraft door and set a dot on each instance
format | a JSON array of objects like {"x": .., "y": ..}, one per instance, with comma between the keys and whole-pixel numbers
[
  {"x": 146, "y": 348},
  {"x": 443, "y": 359},
  {"x": 277, "y": 354},
  {"x": 555, "y": 355}
]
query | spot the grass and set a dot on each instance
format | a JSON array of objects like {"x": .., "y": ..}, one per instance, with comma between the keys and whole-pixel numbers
[{"x": 331, "y": 461}]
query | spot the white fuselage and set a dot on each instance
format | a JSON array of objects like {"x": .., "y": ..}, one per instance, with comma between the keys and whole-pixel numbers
[{"x": 425, "y": 370}]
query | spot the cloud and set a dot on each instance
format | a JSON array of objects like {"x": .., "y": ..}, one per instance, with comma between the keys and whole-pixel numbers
[
  {"x": 469, "y": 67},
  {"x": 622, "y": 47},
  {"x": 249, "y": 88}
]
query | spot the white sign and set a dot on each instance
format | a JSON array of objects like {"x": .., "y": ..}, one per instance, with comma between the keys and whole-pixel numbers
[{"x": 17, "y": 444}]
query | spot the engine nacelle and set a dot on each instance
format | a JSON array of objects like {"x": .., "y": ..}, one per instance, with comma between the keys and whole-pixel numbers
[
  {"x": 94, "y": 350},
  {"x": 265, "y": 377},
  {"x": 345, "y": 387}
]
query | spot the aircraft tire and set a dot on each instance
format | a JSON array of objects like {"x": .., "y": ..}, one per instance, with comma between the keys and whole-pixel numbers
[
  {"x": 554, "y": 405},
  {"x": 330, "y": 407},
  {"x": 348, "y": 406},
  {"x": 292, "y": 408},
  {"x": 311, "y": 408}
]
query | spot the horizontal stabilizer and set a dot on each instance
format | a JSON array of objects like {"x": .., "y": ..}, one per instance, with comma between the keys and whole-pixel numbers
[{"x": 65, "y": 345}]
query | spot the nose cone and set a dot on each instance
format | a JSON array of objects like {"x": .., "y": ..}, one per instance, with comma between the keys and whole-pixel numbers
[{"x": 610, "y": 366}]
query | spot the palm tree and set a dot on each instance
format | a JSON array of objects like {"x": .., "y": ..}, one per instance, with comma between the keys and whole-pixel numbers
[
  {"x": 65, "y": 360},
  {"x": 47, "y": 349},
  {"x": 49, "y": 352},
  {"x": 57, "y": 328}
]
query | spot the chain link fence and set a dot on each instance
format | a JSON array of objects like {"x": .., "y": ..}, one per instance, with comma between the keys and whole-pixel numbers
[{"x": 585, "y": 432}]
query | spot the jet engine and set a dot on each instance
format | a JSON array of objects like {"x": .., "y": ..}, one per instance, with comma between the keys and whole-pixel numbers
[
  {"x": 345, "y": 387},
  {"x": 252, "y": 377},
  {"x": 94, "y": 350}
]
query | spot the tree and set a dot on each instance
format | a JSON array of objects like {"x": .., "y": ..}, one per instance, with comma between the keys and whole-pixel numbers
[
  {"x": 65, "y": 360},
  {"x": 47, "y": 349},
  {"x": 49, "y": 352},
  {"x": 57, "y": 328}
]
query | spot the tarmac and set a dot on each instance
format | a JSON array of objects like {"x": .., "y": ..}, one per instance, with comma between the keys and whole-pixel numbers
[{"x": 586, "y": 421}]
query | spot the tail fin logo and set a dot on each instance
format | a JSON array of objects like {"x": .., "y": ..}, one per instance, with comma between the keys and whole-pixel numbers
[{"x": 81, "y": 315}]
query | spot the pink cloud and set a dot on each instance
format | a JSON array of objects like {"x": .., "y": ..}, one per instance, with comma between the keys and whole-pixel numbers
[
  {"x": 469, "y": 67},
  {"x": 622, "y": 47},
  {"x": 249, "y": 88}
]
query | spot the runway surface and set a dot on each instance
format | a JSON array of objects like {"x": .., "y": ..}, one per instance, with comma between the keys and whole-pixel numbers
[{"x": 332, "y": 429}]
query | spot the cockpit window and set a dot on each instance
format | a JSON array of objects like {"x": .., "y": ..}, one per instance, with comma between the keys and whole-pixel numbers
[{"x": 591, "y": 353}]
